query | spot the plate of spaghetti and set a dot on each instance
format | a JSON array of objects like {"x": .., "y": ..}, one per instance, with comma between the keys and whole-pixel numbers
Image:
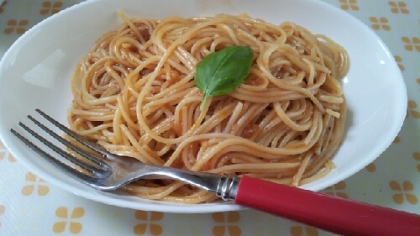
[{"x": 295, "y": 92}]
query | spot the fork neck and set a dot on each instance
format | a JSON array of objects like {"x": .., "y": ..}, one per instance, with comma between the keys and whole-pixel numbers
[{"x": 227, "y": 187}]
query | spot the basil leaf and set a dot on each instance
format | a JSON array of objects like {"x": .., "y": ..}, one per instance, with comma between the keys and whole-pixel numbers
[{"x": 221, "y": 72}]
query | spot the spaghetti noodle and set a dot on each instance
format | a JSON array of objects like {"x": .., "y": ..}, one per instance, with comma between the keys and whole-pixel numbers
[{"x": 134, "y": 94}]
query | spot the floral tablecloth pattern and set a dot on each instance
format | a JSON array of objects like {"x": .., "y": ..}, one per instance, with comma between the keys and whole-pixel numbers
[{"x": 31, "y": 206}]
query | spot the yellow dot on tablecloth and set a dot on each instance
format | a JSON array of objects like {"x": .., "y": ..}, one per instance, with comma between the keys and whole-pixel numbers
[
  {"x": 13, "y": 25},
  {"x": 396, "y": 140},
  {"x": 380, "y": 23},
  {"x": 371, "y": 167},
  {"x": 152, "y": 223},
  {"x": 416, "y": 156},
  {"x": 337, "y": 189},
  {"x": 2, "y": 6},
  {"x": 2, "y": 210},
  {"x": 32, "y": 183},
  {"x": 226, "y": 221},
  {"x": 75, "y": 227},
  {"x": 412, "y": 105},
  {"x": 398, "y": 7},
  {"x": 50, "y": 7},
  {"x": 5, "y": 154},
  {"x": 404, "y": 192},
  {"x": 78, "y": 212},
  {"x": 411, "y": 44},
  {"x": 11, "y": 158},
  {"x": 349, "y": 5},
  {"x": 398, "y": 59},
  {"x": 303, "y": 230}
]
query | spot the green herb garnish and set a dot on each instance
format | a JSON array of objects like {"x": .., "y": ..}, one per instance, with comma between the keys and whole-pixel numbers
[{"x": 221, "y": 72}]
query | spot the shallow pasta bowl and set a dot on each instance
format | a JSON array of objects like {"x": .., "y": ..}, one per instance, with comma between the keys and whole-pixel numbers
[{"x": 36, "y": 72}]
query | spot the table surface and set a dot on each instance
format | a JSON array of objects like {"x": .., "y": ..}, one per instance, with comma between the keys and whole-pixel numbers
[{"x": 31, "y": 206}]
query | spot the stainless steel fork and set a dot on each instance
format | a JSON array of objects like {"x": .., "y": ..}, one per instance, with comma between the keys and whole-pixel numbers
[
  {"x": 109, "y": 172},
  {"x": 106, "y": 171}
]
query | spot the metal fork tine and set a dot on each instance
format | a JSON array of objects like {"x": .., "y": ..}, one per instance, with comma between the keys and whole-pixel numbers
[
  {"x": 70, "y": 145},
  {"x": 53, "y": 160},
  {"x": 74, "y": 135},
  {"x": 95, "y": 171}
]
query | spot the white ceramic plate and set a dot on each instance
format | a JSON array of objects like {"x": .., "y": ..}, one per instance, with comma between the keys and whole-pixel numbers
[{"x": 36, "y": 71}]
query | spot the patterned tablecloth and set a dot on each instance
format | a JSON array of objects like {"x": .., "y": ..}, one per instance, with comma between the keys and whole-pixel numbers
[{"x": 31, "y": 206}]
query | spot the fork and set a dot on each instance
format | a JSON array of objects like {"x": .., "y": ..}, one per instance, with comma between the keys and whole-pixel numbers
[{"x": 106, "y": 171}]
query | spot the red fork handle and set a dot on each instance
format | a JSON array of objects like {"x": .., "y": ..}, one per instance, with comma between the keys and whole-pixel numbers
[{"x": 337, "y": 215}]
